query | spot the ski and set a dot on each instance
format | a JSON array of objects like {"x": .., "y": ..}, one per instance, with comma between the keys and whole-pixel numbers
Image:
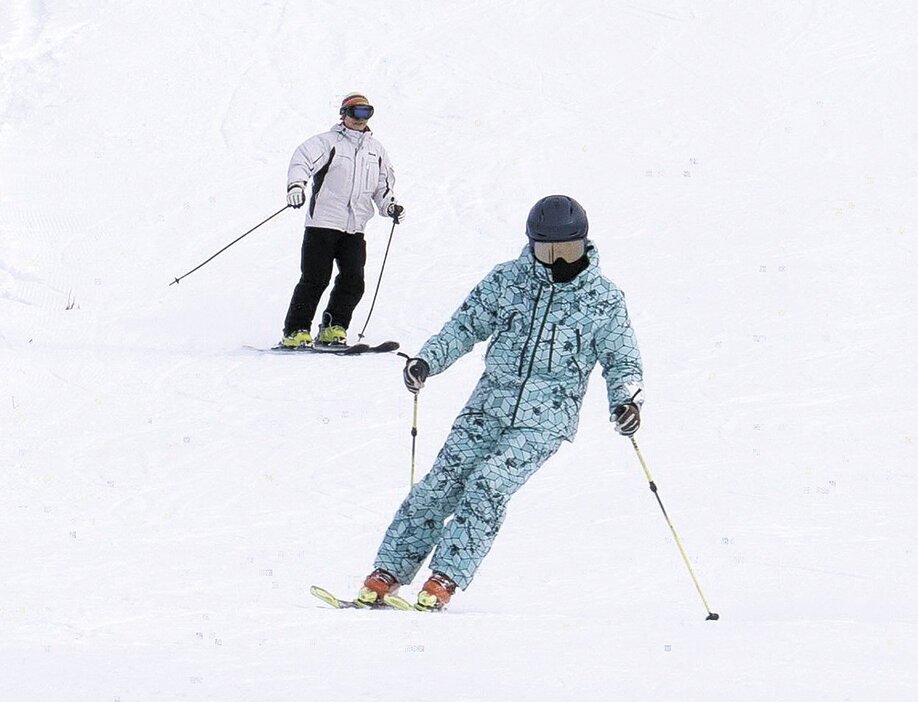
[
  {"x": 397, "y": 602},
  {"x": 334, "y": 350},
  {"x": 333, "y": 601},
  {"x": 418, "y": 608},
  {"x": 391, "y": 601}
]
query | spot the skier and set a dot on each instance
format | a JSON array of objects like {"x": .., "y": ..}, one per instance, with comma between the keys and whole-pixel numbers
[
  {"x": 350, "y": 171},
  {"x": 550, "y": 316}
]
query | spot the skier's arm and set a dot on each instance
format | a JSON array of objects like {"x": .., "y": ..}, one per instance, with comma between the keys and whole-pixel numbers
[
  {"x": 384, "y": 195},
  {"x": 308, "y": 158},
  {"x": 621, "y": 359},
  {"x": 474, "y": 321}
]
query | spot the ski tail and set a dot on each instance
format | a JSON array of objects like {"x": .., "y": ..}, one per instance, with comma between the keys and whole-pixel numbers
[{"x": 385, "y": 347}]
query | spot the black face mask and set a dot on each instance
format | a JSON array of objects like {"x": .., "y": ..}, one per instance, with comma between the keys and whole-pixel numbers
[{"x": 564, "y": 272}]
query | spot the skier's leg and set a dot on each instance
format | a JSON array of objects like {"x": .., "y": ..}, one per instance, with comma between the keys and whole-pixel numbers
[
  {"x": 467, "y": 538},
  {"x": 418, "y": 524},
  {"x": 351, "y": 256},
  {"x": 316, "y": 258}
]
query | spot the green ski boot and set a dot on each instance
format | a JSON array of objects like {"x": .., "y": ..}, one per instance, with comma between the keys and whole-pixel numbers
[
  {"x": 335, "y": 335},
  {"x": 301, "y": 337}
]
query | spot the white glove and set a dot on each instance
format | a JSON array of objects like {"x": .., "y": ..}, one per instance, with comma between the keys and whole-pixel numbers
[
  {"x": 396, "y": 212},
  {"x": 296, "y": 195}
]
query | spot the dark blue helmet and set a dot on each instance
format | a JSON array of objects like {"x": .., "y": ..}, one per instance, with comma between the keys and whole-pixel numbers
[{"x": 557, "y": 218}]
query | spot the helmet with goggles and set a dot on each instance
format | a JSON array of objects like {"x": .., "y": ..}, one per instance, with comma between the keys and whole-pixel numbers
[{"x": 557, "y": 227}]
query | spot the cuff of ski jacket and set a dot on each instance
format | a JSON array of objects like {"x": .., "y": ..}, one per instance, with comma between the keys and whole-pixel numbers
[
  {"x": 430, "y": 367},
  {"x": 631, "y": 392},
  {"x": 298, "y": 184}
]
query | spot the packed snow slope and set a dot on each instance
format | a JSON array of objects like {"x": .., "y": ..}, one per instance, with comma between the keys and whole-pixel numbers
[{"x": 168, "y": 496}]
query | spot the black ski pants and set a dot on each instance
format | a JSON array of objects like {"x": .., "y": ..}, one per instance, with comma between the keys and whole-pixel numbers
[{"x": 321, "y": 248}]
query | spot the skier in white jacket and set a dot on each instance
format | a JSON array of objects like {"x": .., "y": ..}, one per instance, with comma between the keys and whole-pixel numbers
[{"x": 350, "y": 171}]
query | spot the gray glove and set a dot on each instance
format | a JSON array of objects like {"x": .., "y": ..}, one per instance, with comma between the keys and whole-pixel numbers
[
  {"x": 296, "y": 195},
  {"x": 627, "y": 419}
]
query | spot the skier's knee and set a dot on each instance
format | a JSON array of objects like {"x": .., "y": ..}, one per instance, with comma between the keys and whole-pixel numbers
[{"x": 487, "y": 501}]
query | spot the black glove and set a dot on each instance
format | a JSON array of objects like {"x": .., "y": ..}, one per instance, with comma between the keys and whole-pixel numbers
[
  {"x": 396, "y": 212},
  {"x": 415, "y": 373},
  {"x": 627, "y": 419}
]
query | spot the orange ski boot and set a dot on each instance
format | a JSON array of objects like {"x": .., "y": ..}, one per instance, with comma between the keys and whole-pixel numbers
[
  {"x": 378, "y": 584},
  {"x": 436, "y": 593}
]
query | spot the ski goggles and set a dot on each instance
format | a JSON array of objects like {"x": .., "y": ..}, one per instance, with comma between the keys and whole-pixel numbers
[
  {"x": 359, "y": 111},
  {"x": 550, "y": 251}
]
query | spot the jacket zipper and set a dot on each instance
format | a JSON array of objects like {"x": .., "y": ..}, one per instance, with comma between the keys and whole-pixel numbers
[
  {"x": 356, "y": 156},
  {"x": 535, "y": 308},
  {"x": 535, "y": 349}
]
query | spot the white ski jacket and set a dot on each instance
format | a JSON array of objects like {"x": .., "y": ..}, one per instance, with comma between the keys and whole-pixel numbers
[{"x": 350, "y": 171}]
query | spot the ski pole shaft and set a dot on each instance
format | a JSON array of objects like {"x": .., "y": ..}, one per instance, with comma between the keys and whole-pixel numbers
[
  {"x": 414, "y": 424},
  {"x": 378, "y": 282},
  {"x": 228, "y": 245},
  {"x": 653, "y": 488},
  {"x": 414, "y": 436}
]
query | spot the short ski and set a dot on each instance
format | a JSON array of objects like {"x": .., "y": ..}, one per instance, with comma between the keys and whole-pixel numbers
[
  {"x": 391, "y": 601},
  {"x": 335, "y": 350}
]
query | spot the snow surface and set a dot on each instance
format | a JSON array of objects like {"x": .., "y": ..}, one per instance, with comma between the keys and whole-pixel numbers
[{"x": 167, "y": 497}]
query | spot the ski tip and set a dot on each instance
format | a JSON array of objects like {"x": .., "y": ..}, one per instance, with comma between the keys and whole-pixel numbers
[{"x": 325, "y": 596}]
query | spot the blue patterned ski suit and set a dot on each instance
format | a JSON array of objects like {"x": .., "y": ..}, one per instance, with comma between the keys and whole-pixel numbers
[{"x": 546, "y": 339}]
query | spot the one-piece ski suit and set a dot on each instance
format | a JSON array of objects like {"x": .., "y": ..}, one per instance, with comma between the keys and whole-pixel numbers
[{"x": 545, "y": 339}]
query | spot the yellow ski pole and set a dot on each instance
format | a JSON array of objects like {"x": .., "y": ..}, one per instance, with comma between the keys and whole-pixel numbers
[
  {"x": 713, "y": 616},
  {"x": 414, "y": 422},
  {"x": 414, "y": 435}
]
